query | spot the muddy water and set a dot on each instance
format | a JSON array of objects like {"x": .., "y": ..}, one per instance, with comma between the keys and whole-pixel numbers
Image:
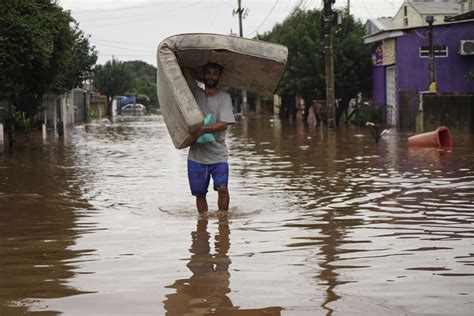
[{"x": 102, "y": 223}]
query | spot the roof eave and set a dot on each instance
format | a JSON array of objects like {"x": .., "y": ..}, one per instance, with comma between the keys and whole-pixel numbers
[{"x": 377, "y": 37}]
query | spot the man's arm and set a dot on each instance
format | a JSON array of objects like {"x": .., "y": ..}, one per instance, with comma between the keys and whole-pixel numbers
[
  {"x": 218, "y": 127},
  {"x": 190, "y": 75}
]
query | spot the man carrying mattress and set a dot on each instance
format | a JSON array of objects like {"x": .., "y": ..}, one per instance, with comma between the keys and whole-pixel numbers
[{"x": 208, "y": 156}]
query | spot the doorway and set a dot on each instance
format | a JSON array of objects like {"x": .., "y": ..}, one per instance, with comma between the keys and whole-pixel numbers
[{"x": 392, "y": 110}]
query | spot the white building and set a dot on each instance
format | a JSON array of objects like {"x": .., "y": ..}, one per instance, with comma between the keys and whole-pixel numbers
[
  {"x": 413, "y": 13},
  {"x": 466, "y": 5}
]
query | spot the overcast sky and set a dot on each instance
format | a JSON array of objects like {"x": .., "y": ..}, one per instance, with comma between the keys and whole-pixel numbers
[{"x": 132, "y": 29}]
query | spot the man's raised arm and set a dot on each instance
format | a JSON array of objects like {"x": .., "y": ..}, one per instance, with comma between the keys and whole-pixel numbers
[{"x": 190, "y": 75}]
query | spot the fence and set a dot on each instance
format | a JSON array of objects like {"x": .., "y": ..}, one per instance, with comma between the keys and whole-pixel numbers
[{"x": 69, "y": 108}]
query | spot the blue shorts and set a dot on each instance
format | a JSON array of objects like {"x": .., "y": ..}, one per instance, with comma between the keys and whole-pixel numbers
[{"x": 199, "y": 176}]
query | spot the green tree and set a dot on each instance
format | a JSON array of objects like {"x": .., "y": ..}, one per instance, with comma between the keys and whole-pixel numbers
[
  {"x": 353, "y": 59},
  {"x": 304, "y": 74},
  {"x": 79, "y": 62},
  {"x": 143, "y": 82},
  {"x": 112, "y": 79},
  {"x": 42, "y": 49}
]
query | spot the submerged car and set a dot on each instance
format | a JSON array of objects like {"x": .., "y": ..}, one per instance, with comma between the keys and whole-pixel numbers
[{"x": 133, "y": 108}]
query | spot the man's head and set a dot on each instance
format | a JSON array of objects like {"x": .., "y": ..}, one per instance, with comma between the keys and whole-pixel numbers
[{"x": 212, "y": 73}]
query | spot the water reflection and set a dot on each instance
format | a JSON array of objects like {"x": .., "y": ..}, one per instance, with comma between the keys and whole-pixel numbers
[
  {"x": 330, "y": 241},
  {"x": 207, "y": 290},
  {"x": 39, "y": 203},
  {"x": 378, "y": 217}
]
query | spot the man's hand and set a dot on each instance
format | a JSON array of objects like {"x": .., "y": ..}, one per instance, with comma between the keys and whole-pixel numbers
[{"x": 219, "y": 126}]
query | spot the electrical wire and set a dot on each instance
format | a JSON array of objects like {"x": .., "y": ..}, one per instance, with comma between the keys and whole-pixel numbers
[
  {"x": 154, "y": 13},
  {"x": 297, "y": 7},
  {"x": 127, "y": 8},
  {"x": 366, "y": 8},
  {"x": 265, "y": 19},
  {"x": 124, "y": 42},
  {"x": 119, "y": 47},
  {"x": 127, "y": 55}
]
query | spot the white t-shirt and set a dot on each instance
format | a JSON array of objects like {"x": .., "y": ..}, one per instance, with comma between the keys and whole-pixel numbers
[{"x": 220, "y": 107}]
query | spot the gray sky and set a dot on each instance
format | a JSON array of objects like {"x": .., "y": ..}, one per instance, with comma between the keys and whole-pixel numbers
[{"x": 132, "y": 29}]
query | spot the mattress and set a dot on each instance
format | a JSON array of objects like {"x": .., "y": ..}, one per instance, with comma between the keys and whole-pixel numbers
[{"x": 251, "y": 65}]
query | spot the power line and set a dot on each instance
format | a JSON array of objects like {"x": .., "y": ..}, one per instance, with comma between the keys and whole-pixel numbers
[
  {"x": 129, "y": 17},
  {"x": 133, "y": 7},
  {"x": 366, "y": 8},
  {"x": 305, "y": 4},
  {"x": 122, "y": 42},
  {"x": 122, "y": 48},
  {"x": 265, "y": 19},
  {"x": 297, "y": 7},
  {"x": 127, "y": 55}
]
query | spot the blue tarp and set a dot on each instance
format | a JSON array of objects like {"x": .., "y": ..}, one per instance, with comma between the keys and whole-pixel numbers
[{"x": 127, "y": 100}]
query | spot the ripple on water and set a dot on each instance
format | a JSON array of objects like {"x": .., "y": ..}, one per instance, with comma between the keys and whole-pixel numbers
[{"x": 191, "y": 213}]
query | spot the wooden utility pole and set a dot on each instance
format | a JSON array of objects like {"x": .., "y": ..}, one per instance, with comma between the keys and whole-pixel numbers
[
  {"x": 240, "y": 11},
  {"x": 348, "y": 7},
  {"x": 431, "y": 68},
  {"x": 329, "y": 64}
]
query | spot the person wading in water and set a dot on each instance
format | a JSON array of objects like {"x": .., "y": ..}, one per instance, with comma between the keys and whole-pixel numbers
[{"x": 208, "y": 159}]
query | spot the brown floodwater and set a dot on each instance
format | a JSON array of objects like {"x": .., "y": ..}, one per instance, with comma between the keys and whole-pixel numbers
[{"x": 321, "y": 223}]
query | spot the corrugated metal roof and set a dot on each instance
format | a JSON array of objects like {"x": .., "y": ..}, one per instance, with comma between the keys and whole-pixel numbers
[
  {"x": 377, "y": 25},
  {"x": 383, "y": 23},
  {"x": 427, "y": 8}
]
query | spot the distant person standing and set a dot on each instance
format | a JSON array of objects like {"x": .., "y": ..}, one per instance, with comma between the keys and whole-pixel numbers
[{"x": 210, "y": 159}]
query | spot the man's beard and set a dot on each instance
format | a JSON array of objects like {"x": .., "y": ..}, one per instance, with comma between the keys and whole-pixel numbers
[{"x": 211, "y": 83}]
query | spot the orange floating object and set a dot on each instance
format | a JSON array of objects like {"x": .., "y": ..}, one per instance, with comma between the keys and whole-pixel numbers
[{"x": 441, "y": 137}]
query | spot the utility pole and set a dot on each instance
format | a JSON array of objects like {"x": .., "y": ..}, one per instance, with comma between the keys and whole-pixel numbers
[
  {"x": 240, "y": 12},
  {"x": 348, "y": 7},
  {"x": 431, "y": 68},
  {"x": 329, "y": 63}
]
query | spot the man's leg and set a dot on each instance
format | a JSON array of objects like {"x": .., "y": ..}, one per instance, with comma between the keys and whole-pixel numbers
[
  {"x": 223, "y": 198},
  {"x": 201, "y": 203},
  {"x": 199, "y": 178},
  {"x": 220, "y": 177}
]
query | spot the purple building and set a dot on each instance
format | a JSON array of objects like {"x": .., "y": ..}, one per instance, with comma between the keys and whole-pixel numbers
[{"x": 401, "y": 65}]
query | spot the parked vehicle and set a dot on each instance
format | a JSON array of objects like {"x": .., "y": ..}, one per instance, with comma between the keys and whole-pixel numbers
[{"x": 133, "y": 108}]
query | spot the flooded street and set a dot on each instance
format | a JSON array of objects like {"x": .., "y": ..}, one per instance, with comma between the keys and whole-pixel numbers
[{"x": 103, "y": 223}]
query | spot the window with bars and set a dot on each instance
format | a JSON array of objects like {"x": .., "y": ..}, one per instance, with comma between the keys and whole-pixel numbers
[{"x": 438, "y": 50}]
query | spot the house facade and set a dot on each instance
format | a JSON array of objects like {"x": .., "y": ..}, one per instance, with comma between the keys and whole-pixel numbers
[
  {"x": 401, "y": 65},
  {"x": 466, "y": 6},
  {"x": 414, "y": 13}
]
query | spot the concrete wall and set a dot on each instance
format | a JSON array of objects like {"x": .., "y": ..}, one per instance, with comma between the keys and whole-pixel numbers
[
  {"x": 454, "y": 111},
  {"x": 81, "y": 101},
  {"x": 66, "y": 109}
]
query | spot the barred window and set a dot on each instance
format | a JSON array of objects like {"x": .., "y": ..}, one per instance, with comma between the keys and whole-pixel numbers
[{"x": 439, "y": 51}]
